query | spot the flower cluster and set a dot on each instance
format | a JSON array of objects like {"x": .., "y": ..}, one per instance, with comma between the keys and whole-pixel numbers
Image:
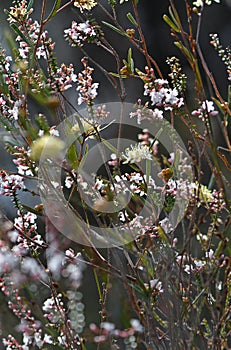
[
  {"x": 145, "y": 113},
  {"x": 200, "y": 3},
  {"x": 207, "y": 110},
  {"x": 85, "y": 4},
  {"x": 137, "y": 153},
  {"x": 26, "y": 223},
  {"x": 32, "y": 29},
  {"x": 24, "y": 164},
  {"x": 86, "y": 88},
  {"x": 64, "y": 78},
  {"x": 225, "y": 54},
  {"x": 178, "y": 78},
  {"x": 161, "y": 95},
  {"x": 28, "y": 326},
  {"x": 12, "y": 101},
  {"x": 79, "y": 33},
  {"x": 19, "y": 11},
  {"x": 10, "y": 183}
]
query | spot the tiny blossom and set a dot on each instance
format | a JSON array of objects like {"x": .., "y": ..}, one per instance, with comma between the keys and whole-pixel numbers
[
  {"x": 24, "y": 164},
  {"x": 86, "y": 88},
  {"x": 210, "y": 254},
  {"x": 25, "y": 223},
  {"x": 207, "y": 110},
  {"x": 79, "y": 33},
  {"x": 200, "y": 3},
  {"x": 85, "y": 4},
  {"x": 162, "y": 95},
  {"x": 224, "y": 53},
  {"x": 18, "y": 12},
  {"x": 64, "y": 78},
  {"x": 9, "y": 184},
  {"x": 137, "y": 153},
  {"x": 156, "y": 284},
  {"x": 145, "y": 113}
]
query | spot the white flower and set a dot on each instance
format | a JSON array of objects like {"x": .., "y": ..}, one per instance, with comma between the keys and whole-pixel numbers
[
  {"x": 200, "y": 3},
  {"x": 85, "y": 4},
  {"x": 136, "y": 154},
  {"x": 157, "y": 114},
  {"x": 136, "y": 325},
  {"x": 208, "y": 106}
]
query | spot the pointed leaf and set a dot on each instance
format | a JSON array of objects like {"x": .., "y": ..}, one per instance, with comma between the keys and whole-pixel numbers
[
  {"x": 114, "y": 28},
  {"x": 172, "y": 16},
  {"x": 171, "y": 24},
  {"x": 30, "y": 5},
  {"x": 54, "y": 10},
  {"x": 132, "y": 19},
  {"x": 18, "y": 31}
]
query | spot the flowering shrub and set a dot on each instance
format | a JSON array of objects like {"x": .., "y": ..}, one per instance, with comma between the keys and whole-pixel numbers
[{"x": 123, "y": 205}]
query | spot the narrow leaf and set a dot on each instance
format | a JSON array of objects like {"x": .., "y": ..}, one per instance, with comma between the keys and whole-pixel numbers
[
  {"x": 54, "y": 10},
  {"x": 114, "y": 28},
  {"x": 172, "y": 16},
  {"x": 132, "y": 19},
  {"x": 18, "y": 31},
  {"x": 170, "y": 23},
  {"x": 30, "y": 5},
  {"x": 109, "y": 146},
  {"x": 185, "y": 51}
]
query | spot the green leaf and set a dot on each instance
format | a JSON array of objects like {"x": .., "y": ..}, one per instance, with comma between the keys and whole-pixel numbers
[
  {"x": 84, "y": 157},
  {"x": 72, "y": 155},
  {"x": 132, "y": 19},
  {"x": 114, "y": 28},
  {"x": 136, "y": 2},
  {"x": 109, "y": 146},
  {"x": 18, "y": 31},
  {"x": 171, "y": 23},
  {"x": 174, "y": 14},
  {"x": 123, "y": 76},
  {"x": 185, "y": 51},
  {"x": 31, "y": 2},
  {"x": 130, "y": 58},
  {"x": 54, "y": 10}
]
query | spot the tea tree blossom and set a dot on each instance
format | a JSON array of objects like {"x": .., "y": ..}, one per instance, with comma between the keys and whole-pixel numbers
[
  {"x": 200, "y": 3},
  {"x": 86, "y": 88},
  {"x": 137, "y": 153},
  {"x": 162, "y": 95},
  {"x": 85, "y": 4},
  {"x": 79, "y": 33},
  {"x": 207, "y": 110},
  {"x": 19, "y": 11},
  {"x": 224, "y": 53},
  {"x": 145, "y": 113},
  {"x": 9, "y": 184}
]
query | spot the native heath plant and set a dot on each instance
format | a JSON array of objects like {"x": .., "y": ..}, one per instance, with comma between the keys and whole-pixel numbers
[{"x": 127, "y": 242}]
